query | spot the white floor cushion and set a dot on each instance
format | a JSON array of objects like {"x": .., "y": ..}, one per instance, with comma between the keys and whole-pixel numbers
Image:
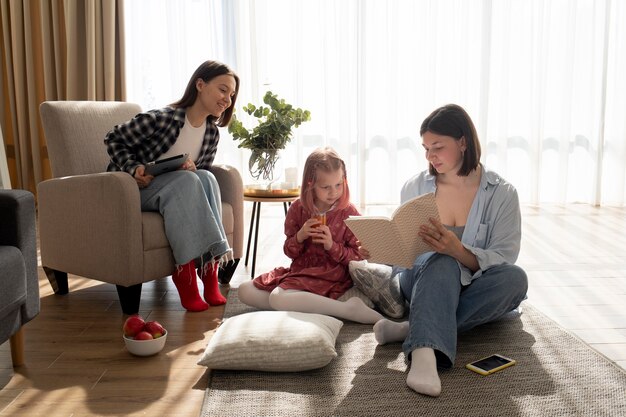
[{"x": 275, "y": 341}]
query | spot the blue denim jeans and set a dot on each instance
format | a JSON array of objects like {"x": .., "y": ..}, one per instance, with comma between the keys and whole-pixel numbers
[
  {"x": 440, "y": 307},
  {"x": 191, "y": 206}
]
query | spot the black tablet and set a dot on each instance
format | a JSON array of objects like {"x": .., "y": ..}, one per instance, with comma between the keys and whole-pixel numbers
[{"x": 162, "y": 166}]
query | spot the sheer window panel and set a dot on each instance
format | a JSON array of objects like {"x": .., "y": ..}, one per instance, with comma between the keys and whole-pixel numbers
[
  {"x": 417, "y": 57},
  {"x": 548, "y": 92},
  {"x": 306, "y": 55},
  {"x": 613, "y": 184},
  {"x": 541, "y": 80},
  {"x": 166, "y": 41}
]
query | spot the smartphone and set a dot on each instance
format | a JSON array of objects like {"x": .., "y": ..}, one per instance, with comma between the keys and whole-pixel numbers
[{"x": 490, "y": 364}]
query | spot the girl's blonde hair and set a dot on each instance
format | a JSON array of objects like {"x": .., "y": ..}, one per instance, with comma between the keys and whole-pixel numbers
[{"x": 327, "y": 160}]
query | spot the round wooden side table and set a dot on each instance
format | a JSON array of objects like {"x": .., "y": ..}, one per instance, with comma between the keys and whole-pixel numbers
[{"x": 256, "y": 199}]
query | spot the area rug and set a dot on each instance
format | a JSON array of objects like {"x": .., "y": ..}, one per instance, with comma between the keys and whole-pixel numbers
[{"x": 556, "y": 375}]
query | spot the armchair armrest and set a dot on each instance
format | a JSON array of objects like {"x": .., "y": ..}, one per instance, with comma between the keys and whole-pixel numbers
[
  {"x": 18, "y": 228},
  {"x": 231, "y": 189},
  {"x": 17, "y": 215},
  {"x": 91, "y": 225}
]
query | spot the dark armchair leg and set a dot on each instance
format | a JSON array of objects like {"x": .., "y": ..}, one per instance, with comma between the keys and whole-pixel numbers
[
  {"x": 226, "y": 272},
  {"x": 58, "y": 280},
  {"x": 129, "y": 298}
]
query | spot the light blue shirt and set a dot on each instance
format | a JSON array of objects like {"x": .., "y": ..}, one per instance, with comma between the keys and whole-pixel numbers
[{"x": 494, "y": 225}]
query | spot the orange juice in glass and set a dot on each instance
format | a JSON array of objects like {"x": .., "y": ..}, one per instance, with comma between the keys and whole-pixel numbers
[{"x": 321, "y": 218}]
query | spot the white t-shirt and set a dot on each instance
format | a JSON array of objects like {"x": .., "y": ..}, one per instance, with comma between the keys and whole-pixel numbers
[{"x": 189, "y": 141}]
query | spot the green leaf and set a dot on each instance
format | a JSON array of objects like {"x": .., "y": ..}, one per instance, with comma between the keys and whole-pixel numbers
[{"x": 275, "y": 123}]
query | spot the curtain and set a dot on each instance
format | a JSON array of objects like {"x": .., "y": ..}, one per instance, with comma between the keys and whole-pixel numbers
[
  {"x": 541, "y": 79},
  {"x": 166, "y": 41},
  {"x": 54, "y": 50}
]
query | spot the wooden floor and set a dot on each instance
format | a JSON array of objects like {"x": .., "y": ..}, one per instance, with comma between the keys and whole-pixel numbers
[{"x": 77, "y": 365}]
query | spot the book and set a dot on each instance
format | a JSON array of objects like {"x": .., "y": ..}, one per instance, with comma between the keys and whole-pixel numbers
[{"x": 395, "y": 240}]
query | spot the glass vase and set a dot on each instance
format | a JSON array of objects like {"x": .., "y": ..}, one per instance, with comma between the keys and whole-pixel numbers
[{"x": 266, "y": 167}]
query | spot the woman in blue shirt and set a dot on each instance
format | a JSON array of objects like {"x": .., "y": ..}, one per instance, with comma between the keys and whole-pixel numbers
[{"x": 469, "y": 278}]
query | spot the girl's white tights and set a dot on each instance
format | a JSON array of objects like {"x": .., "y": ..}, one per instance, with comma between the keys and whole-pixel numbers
[
  {"x": 291, "y": 300},
  {"x": 252, "y": 296}
]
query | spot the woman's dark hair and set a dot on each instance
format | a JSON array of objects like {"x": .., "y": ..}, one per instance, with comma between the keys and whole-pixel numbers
[
  {"x": 452, "y": 120},
  {"x": 207, "y": 71}
]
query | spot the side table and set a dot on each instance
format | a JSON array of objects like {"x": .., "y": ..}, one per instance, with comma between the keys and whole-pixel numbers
[{"x": 256, "y": 214}]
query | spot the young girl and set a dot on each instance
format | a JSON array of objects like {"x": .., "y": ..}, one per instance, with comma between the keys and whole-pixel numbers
[
  {"x": 320, "y": 245},
  {"x": 189, "y": 198}
]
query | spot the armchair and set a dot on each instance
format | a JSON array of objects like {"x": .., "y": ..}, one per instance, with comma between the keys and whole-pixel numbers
[
  {"x": 19, "y": 298},
  {"x": 90, "y": 221}
]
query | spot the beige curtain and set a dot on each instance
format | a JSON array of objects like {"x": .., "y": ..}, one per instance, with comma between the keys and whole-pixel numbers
[{"x": 53, "y": 50}]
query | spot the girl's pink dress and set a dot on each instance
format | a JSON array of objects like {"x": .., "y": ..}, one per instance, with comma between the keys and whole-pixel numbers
[{"x": 314, "y": 269}]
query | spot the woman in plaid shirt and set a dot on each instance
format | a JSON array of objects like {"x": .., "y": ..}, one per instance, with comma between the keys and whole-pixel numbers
[{"x": 189, "y": 198}]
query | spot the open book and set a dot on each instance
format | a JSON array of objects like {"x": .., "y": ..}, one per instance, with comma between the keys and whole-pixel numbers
[{"x": 394, "y": 241}]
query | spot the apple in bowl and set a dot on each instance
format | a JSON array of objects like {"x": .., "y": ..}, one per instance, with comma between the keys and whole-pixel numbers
[
  {"x": 147, "y": 340},
  {"x": 154, "y": 328},
  {"x": 133, "y": 325}
]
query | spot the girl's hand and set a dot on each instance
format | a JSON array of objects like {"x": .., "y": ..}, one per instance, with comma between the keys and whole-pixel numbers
[
  {"x": 321, "y": 234},
  {"x": 307, "y": 230},
  {"x": 439, "y": 238},
  {"x": 189, "y": 165},
  {"x": 141, "y": 179}
]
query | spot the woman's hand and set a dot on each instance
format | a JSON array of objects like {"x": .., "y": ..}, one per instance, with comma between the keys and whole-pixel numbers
[
  {"x": 189, "y": 165},
  {"x": 440, "y": 239},
  {"x": 445, "y": 241},
  {"x": 142, "y": 180},
  {"x": 365, "y": 254}
]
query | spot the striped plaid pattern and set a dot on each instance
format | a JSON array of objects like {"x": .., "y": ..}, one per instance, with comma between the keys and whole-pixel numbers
[{"x": 148, "y": 135}]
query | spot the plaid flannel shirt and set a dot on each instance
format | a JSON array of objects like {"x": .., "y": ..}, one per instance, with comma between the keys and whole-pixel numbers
[{"x": 148, "y": 135}]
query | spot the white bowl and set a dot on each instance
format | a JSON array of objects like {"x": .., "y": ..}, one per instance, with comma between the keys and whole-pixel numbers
[{"x": 145, "y": 347}]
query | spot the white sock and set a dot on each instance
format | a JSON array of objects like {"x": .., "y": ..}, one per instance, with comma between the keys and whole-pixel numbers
[
  {"x": 387, "y": 331},
  {"x": 423, "y": 377}
]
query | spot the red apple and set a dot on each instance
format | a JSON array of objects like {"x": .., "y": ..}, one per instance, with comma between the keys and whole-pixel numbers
[
  {"x": 143, "y": 335},
  {"x": 133, "y": 325},
  {"x": 155, "y": 329}
]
